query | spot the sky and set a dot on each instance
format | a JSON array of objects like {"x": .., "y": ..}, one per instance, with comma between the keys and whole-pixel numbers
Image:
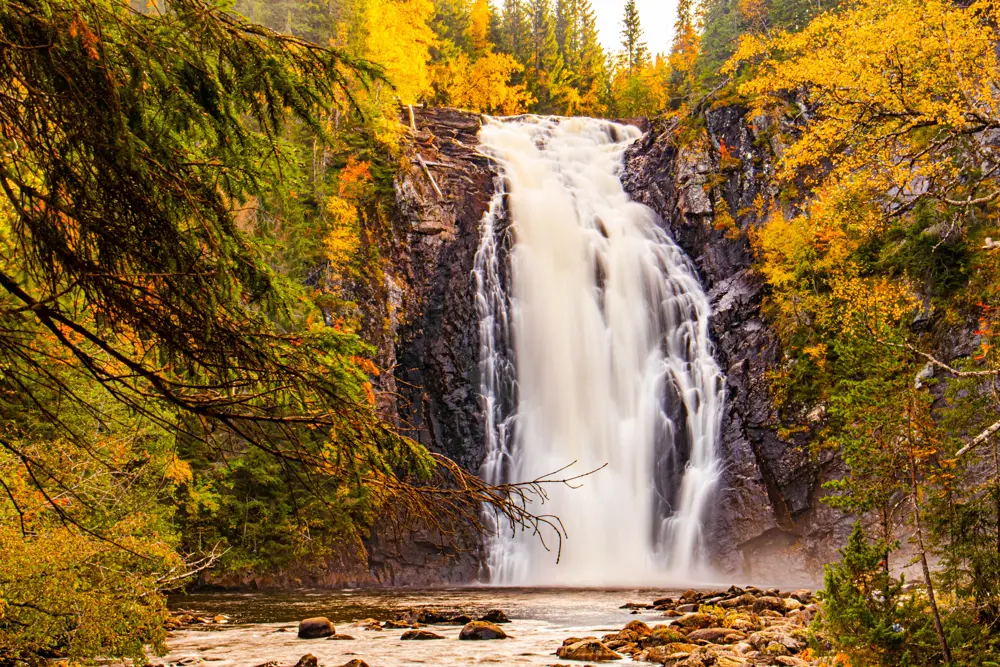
[{"x": 657, "y": 17}]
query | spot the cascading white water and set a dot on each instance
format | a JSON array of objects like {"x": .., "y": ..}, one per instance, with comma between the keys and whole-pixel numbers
[{"x": 593, "y": 329}]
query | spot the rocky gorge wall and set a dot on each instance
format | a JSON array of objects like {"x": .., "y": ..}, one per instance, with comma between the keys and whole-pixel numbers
[{"x": 767, "y": 523}]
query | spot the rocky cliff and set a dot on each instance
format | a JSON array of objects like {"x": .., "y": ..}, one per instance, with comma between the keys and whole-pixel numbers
[{"x": 768, "y": 523}]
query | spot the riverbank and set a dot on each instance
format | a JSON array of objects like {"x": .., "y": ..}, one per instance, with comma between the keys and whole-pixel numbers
[{"x": 262, "y": 627}]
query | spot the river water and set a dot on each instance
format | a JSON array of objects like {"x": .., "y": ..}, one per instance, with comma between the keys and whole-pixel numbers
[{"x": 263, "y": 625}]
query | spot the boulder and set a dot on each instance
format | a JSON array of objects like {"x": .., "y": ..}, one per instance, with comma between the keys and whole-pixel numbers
[
  {"x": 623, "y": 637},
  {"x": 776, "y": 649},
  {"x": 482, "y": 630},
  {"x": 639, "y": 628},
  {"x": 339, "y": 637},
  {"x": 308, "y": 660},
  {"x": 744, "y": 625},
  {"x": 420, "y": 634},
  {"x": 495, "y": 616},
  {"x": 791, "y": 604},
  {"x": 667, "y": 655},
  {"x": 461, "y": 619},
  {"x": 803, "y": 595},
  {"x": 316, "y": 628},
  {"x": 355, "y": 663},
  {"x": 368, "y": 624},
  {"x": 695, "y": 621},
  {"x": 590, "y": 650},
  {"x": 432, "y": 616},
  {"x": 716, "y": 635},
  {"x": 397, "y": 625},
  {"x": 574, "y": 640},
  {"x": 663, "y": 634},
  {"x": 744, "y": 600},
  {"x": 769, "y": 602},
  {"x": 687, "y": 608}
]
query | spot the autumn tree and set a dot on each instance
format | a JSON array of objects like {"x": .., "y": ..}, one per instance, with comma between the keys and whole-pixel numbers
[
  {"x": 636, "y": 53},
  {"x": 684, "y": 53},
  {"x": 889, "y": 188}
]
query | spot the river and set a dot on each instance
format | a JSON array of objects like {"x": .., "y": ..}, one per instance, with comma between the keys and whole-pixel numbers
[{"x": 263, "y": 625}]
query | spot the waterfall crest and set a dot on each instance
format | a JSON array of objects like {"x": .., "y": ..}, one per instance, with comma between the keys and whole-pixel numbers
[{"x": 595, "y": 350}]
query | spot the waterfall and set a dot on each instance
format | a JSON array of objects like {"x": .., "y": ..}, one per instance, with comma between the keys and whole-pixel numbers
[{"x": 594, "y": 350}]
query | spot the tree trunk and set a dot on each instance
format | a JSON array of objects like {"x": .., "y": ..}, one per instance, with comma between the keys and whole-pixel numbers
[{"x": 938, "y": 628}]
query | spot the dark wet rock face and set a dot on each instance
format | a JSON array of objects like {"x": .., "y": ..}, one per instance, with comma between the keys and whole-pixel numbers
[{"x": 438, "y": 342}]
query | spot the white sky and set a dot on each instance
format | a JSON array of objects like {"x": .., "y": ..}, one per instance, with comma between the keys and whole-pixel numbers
[{"x": 657, "y": 16}]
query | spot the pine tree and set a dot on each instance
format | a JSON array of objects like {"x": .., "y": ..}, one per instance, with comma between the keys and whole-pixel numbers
[
  {"x": 568, "y": 30},
  {"x": 515, "y": 31},
  {"x": 593, "y": 69},
  {"x": 684, "y": 54},
  {"x": 636, "y": 53}
]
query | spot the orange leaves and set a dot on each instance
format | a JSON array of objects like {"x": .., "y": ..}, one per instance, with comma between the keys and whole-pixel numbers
[
  {"x": 354, "y": 179},
  {"x": 369, "y": 393},
  {"x": 483, "y": 85},
  {"x": 366, "y": 365},
  {"x": 343, "y": 242},
  {"x": 178, "y": 471},
  {"x": 78, "y": 29}
]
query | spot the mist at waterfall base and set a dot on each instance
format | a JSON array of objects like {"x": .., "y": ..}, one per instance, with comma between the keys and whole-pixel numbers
[{"x": 595, "y": 352}]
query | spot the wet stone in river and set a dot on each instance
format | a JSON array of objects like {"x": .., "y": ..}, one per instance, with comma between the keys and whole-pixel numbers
[
  {"x": 316, "y": 628},
  {"x": 420, "y": 634},
  {"x": 482, "y": 630}
]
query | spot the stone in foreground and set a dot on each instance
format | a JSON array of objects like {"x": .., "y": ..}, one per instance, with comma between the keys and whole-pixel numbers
[
  {"x": 590, "y": 650},
  {"x": 420, "y": 634},
  {"x": 308, "y": 660},
  {"x": 316, "y": 628},
  {"x": 482, "y": 630}
]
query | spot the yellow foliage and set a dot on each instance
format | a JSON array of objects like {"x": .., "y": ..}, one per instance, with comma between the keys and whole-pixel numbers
[
  {"x": 482, "y": 86},
  {"x": 897, "y": 87},
  {"x": 898, "y": 95},
  {"x": 178, "y": 471},
  {"x": 343, "y": 241},
  {"x": 640, "y": 91},
  {"x": 400, "y": 39},
  {"x": 479, "y": 25}
]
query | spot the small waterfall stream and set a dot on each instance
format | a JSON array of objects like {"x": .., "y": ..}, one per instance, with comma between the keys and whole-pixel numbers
[{"x": 594, "y": 350}]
